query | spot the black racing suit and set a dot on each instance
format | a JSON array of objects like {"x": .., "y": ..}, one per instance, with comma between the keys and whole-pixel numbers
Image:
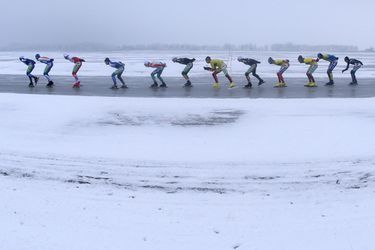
[
  {"x": 357, "y": 65},
  {"x": 253, "y": 68}
]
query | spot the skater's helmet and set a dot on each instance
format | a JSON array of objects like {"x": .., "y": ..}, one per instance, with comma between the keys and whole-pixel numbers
[
  {"x": 106, "y": 61},
  {"x": 37, "y": 56},
  {"x": 300, "y": 59},
  {"x": 287, "y": 60},
  {"x": 270, "y": 60},
  {"x": 21, "y": 58},
  {"x": 208, "y": 59},
  {"x": 174, "y": 59},
  {"x": 66, "y": 56},
  {"x": 320, "y": 55},
  {"x": 240, "y": 58},
  {"x": 347, "y": 59},
  {"x": 147, "y": 63}
]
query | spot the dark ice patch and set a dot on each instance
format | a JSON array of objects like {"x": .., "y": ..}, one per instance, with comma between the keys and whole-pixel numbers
[
  {"x": 3, "y": 173},
  {"x": 214, "y": 118},
  {"x": 262, "y": 178}
]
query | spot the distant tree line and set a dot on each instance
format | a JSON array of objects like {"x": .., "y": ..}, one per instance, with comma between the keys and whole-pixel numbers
[
  {"x": 302, "y": 47},
  {"x": 190, "y": 47},
  {"x": 183, "y": 47}
]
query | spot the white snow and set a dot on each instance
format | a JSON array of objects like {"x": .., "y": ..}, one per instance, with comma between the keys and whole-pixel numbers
[
  {"x": 133, "y": 173},
  {"x": 9, "y": 63}
]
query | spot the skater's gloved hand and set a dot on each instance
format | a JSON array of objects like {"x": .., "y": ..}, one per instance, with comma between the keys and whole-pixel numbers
[{"x": 207, "y": 68}]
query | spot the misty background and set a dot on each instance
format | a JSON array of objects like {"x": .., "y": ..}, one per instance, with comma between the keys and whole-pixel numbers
[{"x": 344, "y": 25}]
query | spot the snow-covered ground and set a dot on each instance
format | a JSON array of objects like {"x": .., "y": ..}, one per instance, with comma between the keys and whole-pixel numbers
[
  {"x": 116, "y": 173},
  {"x": 9, "y": 63}
]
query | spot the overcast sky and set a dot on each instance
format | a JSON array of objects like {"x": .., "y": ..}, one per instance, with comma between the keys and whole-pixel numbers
[{"x": 262, "y": 22}]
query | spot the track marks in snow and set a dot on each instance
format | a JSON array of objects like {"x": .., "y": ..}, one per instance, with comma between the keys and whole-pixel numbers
[{"x": 202, "y": 178}]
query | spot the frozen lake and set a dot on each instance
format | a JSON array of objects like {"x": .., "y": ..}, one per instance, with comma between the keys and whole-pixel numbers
[
  {"x": 139, "y": 87},
  {"x": 9, "y": 63}
]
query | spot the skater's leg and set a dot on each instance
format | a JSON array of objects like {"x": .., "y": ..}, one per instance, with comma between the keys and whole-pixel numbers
[
  {"x": 255, "y": 73},
  {"x": 121, "y": 79},
  {"x": 330, "y": 75},
  {"x": 310, "y": 72},
  {"x": 114, "y": 74},
  {"x": 331, "y": 67},
  {"x": 247, "y": 74},
  {"x": 46, "y": 72},
  {"x": 312, "y": 78},
  {"x": 354, "y": 78},
  {"x": 229, "y": 78},
  {"x": 29, "y": 71},
  {"x": 281, "y": 72},
  {"x": 279, "y": 77},
  {"x": 29, "y": 75},
  {"x": 186, "y": 71},
  {"x": 353, "y": 73},
  {"x": 225, "y": 71},
  {"x": 76, "y": 68},
  {"x": 153, "y": 74},
  {"x": 185, "y": 76},
  {"x": 160, "y": 72},
  {"x": 308, "y": 76},
  {"x": 214, "y": 75},
  {"x": 119, "y": 76}
]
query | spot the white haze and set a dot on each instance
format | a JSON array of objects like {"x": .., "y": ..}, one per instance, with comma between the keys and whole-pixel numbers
[{"x": 188, "y": 22}]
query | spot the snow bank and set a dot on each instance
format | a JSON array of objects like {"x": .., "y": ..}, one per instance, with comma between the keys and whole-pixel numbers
[{"x": 133, "y": 173}]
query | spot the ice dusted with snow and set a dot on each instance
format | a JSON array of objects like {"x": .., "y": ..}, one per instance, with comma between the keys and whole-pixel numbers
[
  {"x": 9, "y": 63},
  {"x": 165, "y": 174}
]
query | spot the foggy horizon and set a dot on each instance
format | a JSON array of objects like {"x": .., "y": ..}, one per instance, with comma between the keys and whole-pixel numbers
[
  {"x": 185, "y": 47},
  {"x": 211, "y": 22}
]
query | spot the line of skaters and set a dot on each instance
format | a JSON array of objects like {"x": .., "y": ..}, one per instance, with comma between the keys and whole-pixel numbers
[{"x": 215, "y": 66}]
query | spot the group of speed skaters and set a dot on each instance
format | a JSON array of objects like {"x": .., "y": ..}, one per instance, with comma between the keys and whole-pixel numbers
[{"x": 215, "y": 66}]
